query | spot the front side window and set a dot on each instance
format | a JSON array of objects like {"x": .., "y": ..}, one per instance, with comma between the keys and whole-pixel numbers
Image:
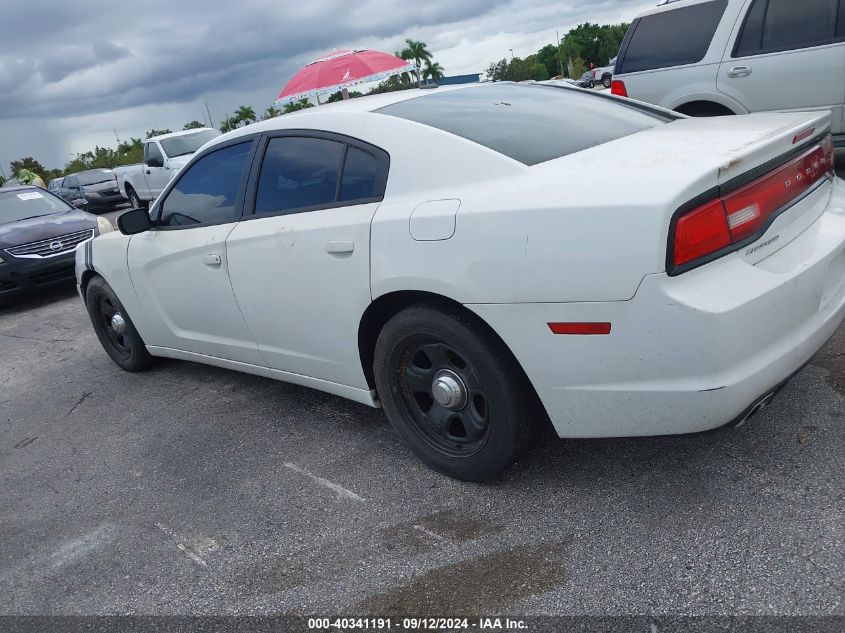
[
  {"x": 672, "y": 38},
  {"x": 779, "y": 25},
  {"x": 152, "y": 151},
  {"x": 207, "y": 193}
]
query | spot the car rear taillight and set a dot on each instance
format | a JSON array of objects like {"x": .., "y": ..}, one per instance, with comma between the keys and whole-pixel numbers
[
  {"x": 617, "y": 87},
  {"x": 743, "y": 214}
]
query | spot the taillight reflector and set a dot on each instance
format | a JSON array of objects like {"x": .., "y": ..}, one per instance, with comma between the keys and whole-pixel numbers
[
  {"x": 617, "y": 87},
  {"x": 580, "y": 328},
  {"x": 736, "y": 216}
]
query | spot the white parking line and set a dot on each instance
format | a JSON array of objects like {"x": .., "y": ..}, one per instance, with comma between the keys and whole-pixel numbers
[{"x": 340, "y": 491}]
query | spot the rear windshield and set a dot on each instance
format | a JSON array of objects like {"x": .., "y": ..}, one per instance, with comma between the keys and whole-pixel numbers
[
  {"x": 94, "y": 177},
  {"x": 532, "y": 124},
  {"x": 187, "y": 143},
  {"x": 23, "y": 204},
  {"x": 672, "y": 38}
]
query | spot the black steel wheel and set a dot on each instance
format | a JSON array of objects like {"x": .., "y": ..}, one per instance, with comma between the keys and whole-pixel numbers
[
  {"x": 454, "y": 392},
  {"x": 114, "y": 328}
]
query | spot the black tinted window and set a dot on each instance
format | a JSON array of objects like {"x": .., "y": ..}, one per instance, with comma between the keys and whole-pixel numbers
[
  {"x": 672, "y": 38},
  {"x": 359, "y": 175},
  {"x": 207, "y": 192},
  {"x": 776, "y": 25},
  {"x": 531, "y": 124},
  {"x": 298, "y": 172},
  {"x": 152, "y": 151}
]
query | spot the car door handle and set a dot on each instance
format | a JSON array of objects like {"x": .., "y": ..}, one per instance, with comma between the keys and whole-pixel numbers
[
  {"x": 338, "y": 248},
  {"x": 213, "y": 260},
  {"x": 739, "y": 71}
]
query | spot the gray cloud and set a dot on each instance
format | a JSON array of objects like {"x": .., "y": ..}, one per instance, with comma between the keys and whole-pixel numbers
[{"x": 95, "y": 57}]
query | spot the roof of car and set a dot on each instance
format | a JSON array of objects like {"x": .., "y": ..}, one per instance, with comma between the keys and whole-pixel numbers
[
  {"x": 180, "y": 133},
  {"x": 362, "y": 105},
  {"x": 672, "y": 4}
]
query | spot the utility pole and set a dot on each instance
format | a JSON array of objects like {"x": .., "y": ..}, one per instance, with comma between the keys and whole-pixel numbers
[
  {"x": 210, "y": 122},
  {"x": 559, "y": 58}
]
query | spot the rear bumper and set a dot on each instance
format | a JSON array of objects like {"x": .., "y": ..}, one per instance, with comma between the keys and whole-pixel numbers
[
  {"x": 25, "y": 275},
  {"x": 688, "y": 353}
]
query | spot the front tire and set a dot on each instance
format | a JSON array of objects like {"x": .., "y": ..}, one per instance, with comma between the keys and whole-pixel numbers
[
  {"x": 114, "y": 328},
  {"x": 453, "y": 392}
]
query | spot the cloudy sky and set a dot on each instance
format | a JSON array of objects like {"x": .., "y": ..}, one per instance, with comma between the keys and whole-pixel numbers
[{"x": 76, "y": 74}]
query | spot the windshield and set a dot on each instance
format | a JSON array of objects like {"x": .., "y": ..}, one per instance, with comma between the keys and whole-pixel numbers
[
  {"x": 28, "y": 203},
  {"x": 531, "y": 124},
  {"x": 187, "y": 143},
  {"x": 95, "y": 177}
]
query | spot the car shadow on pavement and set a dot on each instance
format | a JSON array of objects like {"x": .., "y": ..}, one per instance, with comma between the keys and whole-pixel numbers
[{"x": 16, "y": 303}]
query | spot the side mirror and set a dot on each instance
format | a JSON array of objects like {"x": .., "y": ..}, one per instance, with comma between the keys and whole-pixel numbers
[
  {"x": 154, "y": 161},
  {"x": 134, "y": 221},
  {"x": 79, "y": 202}
]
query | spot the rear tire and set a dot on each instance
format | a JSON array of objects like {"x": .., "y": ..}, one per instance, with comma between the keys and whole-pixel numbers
[
  {"x": 120, "y": 339},
  {"x": 606, "y": 81},
  {"x": 134, "y": 201},
  {"x": 453, "y": 392}
]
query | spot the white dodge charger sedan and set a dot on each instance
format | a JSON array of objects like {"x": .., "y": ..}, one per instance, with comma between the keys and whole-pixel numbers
[{"x": 433, "y": 252}]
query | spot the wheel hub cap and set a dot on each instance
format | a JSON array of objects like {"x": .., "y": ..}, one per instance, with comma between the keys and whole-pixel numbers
[
  {"x": 118, "y": 324},
  {"x": 449, "y": 390}
]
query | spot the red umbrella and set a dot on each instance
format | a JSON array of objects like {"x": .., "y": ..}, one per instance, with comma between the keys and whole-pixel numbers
[{"x": 342, "y": 69}]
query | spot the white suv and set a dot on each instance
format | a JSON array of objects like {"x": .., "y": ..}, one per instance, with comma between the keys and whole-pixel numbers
[{"x": 714, "y": 57}]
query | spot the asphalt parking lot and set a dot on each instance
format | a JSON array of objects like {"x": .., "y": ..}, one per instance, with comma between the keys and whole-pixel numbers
[{"x": 190, "y": 489}]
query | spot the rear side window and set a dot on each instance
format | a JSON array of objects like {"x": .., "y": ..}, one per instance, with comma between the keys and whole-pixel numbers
[
  {"x": 781, "y": 25},
  {"x": 672, "y": 38},
  {"x": 207, "y": 193},
  {"x": 301, "y": 173},
  {"x": 531, "y": 124}
]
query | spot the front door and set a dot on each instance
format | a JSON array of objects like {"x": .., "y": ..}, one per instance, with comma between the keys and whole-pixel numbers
[
  {"x": 180, "y": 269},
  {"x": 300, "y": 267},
  {"x": 155, "y": 173}
]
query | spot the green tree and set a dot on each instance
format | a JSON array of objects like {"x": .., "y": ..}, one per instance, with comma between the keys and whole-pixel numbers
[
  {"x": 539, "y": 72},
  {"x": 270, "y": 112},
  {"x": 417, "y": 51},
  {"x": 193, "y": 125},
  {"x": 155, "y": 132},
  {"x": 338, "y": 96},
  {"x": 549, "y": 58},
  {"x": 302, "y": 104},
  {"x": 498, "y": 71},
  {"x": 26, "y": 163},
  {"x": 245, "y": 115},
  {"x": 228, "y": 124},
  {"x": 433, "y": 71}
]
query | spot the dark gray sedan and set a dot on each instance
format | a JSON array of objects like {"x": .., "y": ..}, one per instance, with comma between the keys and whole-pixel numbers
[
  {"x": 98, "y": 187},
  {"x": 39, "y": 233}
]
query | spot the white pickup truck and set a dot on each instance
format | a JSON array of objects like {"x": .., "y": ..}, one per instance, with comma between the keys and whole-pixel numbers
[
  {"x": 163, "y": 156},
  {"x": 604, "y": 75}
]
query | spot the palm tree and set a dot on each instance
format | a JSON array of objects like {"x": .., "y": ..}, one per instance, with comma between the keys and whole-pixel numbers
[
  {"x": 245, "y": 115},
  {"x": 297, "y": 105},
  {"x": 136, "y": 143},
  {"x": 433, "y": 71},
  {"x": 417, "y": 51},
  {"x": 228, "y": 124},
  {"x": 271, "y": 112}
]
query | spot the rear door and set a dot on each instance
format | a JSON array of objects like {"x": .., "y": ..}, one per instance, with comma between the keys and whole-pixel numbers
[
  {"x": 788, "y": 55},
  {"x": 300, "y": 266},
  {"x": 179, "y": 269}
]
